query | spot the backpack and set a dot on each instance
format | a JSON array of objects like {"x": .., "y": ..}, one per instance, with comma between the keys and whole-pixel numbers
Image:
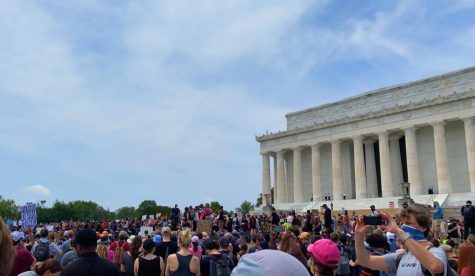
[
  {"x": 425, "y": 271},
  {"x": 468, "y": 212},
  {"x": 343, "y": 263},
  {"x": 119, "y": 253},
  {"x": 191, "y": 214},
  {"x": 41, "y": 253},
  {"x": 219, "y": 266}
]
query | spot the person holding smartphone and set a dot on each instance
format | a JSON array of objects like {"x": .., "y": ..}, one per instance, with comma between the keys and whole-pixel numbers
[{"x": 420, "y": 257}]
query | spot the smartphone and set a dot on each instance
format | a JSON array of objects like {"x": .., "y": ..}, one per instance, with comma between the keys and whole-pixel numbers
[
  {"x": 278, "y": 229},
  {"x": 372, "y": 220}
]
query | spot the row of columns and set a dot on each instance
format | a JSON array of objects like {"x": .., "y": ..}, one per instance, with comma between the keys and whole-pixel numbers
[{"x": 365, "y": 168}]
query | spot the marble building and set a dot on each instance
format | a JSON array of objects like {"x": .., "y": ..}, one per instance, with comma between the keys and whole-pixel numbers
[{"x": 421, "y": 132}]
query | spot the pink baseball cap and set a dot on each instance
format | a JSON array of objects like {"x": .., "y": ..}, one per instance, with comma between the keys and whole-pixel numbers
[{"x": 326, "y": 252}]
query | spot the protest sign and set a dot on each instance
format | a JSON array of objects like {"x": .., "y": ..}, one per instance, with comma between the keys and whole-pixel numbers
[
  {"x": 203, "y": 226},
  {"x": 28, "y": 215},
  {"x": 143, "y": 228}
]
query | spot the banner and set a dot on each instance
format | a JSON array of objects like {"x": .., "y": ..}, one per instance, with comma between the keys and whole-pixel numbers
[{"x": 28, "y": 215}]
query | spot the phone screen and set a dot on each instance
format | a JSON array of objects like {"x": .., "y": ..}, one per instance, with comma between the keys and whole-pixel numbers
[
  {"x": 372, "y": 220},
  {"x": 278, "y": 229}
]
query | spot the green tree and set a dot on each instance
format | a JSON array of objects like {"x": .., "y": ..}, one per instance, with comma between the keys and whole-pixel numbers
[
  {"x": 246, "y": 207},
  {"x": 8, "y": 209},
  {"x": 126, "y": 212},
  {"x": 147, "y": 207},
  {"x": 214, "y": 205}
]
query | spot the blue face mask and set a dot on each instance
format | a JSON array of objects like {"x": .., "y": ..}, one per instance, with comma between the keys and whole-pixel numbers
[{"x": 413, "y": 232}]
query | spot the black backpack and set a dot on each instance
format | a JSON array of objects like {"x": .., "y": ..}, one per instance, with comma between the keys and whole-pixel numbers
[
  {"x": 42, "y": 251},
  {"x": 220, "y": 266}
]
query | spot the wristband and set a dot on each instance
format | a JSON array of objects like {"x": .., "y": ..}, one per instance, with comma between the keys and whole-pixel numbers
[{"x": 405, "y": 238}]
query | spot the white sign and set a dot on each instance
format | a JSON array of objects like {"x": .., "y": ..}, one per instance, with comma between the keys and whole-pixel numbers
[
  {"x": 28, "y": 215},
  {"x": 146, "y": 228}
]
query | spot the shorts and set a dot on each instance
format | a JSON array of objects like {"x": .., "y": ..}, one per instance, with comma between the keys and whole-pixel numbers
[{"x": 436, "y": 224}]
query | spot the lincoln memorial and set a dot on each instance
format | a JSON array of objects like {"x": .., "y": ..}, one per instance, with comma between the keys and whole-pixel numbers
[{"x": 363, "y": 147}]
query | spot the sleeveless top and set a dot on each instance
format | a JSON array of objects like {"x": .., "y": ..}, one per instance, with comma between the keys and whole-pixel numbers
[
  {"x": 149, "y": 267},
  {"x": 183, "y": 266}
]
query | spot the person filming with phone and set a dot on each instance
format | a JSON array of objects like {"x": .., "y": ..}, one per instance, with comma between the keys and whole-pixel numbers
[{"x": 420, "y": 258}]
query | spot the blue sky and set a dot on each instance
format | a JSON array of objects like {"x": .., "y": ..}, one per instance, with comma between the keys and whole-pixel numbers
[{"x": 122, "y": 101}]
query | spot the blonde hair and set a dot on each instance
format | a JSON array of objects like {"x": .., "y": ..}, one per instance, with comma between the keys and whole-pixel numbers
[
  {"x": 184, "y": 238},
  {"x": 7, "y": 249},
  {"x": 102, "y": 250}
]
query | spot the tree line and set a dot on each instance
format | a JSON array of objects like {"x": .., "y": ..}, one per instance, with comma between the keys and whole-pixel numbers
[{"x": 80, "y": 210}]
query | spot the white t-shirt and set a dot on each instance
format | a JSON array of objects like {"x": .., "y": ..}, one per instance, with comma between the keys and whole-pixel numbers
[
  {"x": 409, "y": 265},
  {"x": 290, "y": 219}
]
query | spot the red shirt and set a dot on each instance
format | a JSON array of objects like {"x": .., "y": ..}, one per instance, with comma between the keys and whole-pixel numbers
[
  {"x": 23, "y": 261},
  {"x": 124, "y": 245}
]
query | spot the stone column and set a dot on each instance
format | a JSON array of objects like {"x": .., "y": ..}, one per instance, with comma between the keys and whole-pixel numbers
[
  {"x": 336, "y": 170},
  {"x": 274, "y": 156},
  {"x": 266, "y": 179},
  {"x": 360, "y": 174},
  {"x": 281, "y": 197},
  {"x": 385, "y": 164},
  {"x": 298, "y": 189},
  {"x": 470, "y": 142},
  {"x": 443, "y": 175},
  {"x": 413, "y": 174},
  {"x": 316, "y": 175},
  {"x": 396, "y": 164},
  {"x": 371, "y": 176}
]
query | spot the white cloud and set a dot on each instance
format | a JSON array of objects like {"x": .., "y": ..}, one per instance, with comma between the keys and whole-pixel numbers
[{"x": 38, "y": 190}]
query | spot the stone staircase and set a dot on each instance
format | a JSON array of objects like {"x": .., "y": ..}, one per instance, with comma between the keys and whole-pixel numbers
[{"x": 360, "y": 204}]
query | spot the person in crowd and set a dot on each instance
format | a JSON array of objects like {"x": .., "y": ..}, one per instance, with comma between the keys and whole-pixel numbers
[
  {"x": 103, "y": 250},
  {"x": 468, "y": 215},
  {"x": 377, "y": 245},
  {"x": 65, "y": 247},
  {"x": 289, "y": 245},
  {"x": 453, "y": 231},
  {"x": 43, "y": 248},
  {"x": 225, "y": 248},
  {"x": 242, "y": 250},
  {"x": 128, "y": 260},
  {"x": 89, "y": 263},
  {"x": 327, "y": 216},
  {"x": 437, "y": 216},
  {"x": 50, "y": 267},
  {"x": 167, "y": 246},
  {"x": 452, "y": 258},
  {"x": 269, "y": 263},
  {"x": 119, "y": 247},
  {"x": 215, "y": 263},
  {"x": 275, "y": 220},
  {"x": 71, "y": 255},
  {"x": 23, "y": 258},
  {"x": 195, "y": 249},
  {"x": 374, "y": 213},
  {"x": 413, "y": 234},
  {"x": 183, "y": 263},
  {"x": 466, "y": 264},
  {"x": 324, "y": 257},
  {"x": 149, "y": 264}
]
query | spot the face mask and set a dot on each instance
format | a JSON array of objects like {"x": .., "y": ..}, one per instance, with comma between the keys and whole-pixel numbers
[{"x": 413, "y": 232}]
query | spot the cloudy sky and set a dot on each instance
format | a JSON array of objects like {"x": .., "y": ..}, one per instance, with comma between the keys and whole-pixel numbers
[{"x": 121, "y": 101}]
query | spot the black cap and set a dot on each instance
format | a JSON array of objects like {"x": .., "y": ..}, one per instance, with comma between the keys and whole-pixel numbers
[
  {"x": 324, "y": 205},
  {"x": 86, "y": 237},
  {"x": 469, "y": 202},
  {"x": 372, "y": 206}
]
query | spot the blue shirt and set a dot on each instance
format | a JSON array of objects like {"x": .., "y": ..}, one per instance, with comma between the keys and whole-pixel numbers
[{"x": 439, "y": 213}]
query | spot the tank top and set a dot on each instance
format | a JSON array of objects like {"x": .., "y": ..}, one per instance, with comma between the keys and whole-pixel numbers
[
  {"x": 149, "y": 267},
  {"x": 183, "y": 266}
]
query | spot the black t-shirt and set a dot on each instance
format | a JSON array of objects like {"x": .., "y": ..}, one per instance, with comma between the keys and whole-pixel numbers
[
  {"x": 455, "y": 233},
  {"x": 91, "y": 264},
  {"x": 275, "y": 218},
  {"x": 161, "y": 249}
]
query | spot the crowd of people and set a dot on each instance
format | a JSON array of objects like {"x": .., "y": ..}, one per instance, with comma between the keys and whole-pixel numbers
[{"x": 418, "y": 240}]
